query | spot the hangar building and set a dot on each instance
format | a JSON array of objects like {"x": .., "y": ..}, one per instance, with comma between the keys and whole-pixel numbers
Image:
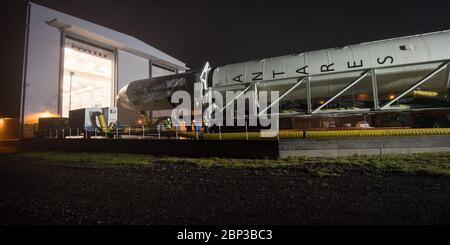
[{"x": 70, "y": 63}]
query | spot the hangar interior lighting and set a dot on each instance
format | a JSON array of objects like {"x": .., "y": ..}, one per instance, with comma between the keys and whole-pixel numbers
[{"x": 88, "y": 77}]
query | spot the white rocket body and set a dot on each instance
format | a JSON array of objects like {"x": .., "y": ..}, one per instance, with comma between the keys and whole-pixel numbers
[{"x": 399, "y": 62}]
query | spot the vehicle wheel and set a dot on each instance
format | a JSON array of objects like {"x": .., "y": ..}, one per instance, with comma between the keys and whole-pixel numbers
[{"x": 439, "y": 124}]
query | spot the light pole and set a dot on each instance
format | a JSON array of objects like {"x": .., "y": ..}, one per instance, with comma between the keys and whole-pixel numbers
[{"x": 70, "y": 89}]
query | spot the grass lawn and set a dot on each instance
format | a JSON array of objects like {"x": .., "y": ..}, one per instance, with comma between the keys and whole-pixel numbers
[{"x": 423, "y": 163}]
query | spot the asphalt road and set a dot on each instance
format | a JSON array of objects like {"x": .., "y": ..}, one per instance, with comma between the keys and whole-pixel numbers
[{"x": 36, "y": 192}]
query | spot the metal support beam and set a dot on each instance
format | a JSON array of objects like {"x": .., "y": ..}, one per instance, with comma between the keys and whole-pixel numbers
[
  {"x": 24, "y": 74},
  {"x": 363, "y": 75},
  {"x": 420, "y": 82},
  {"x": 299, "y": 81},
  {"x": 236, "y": 97},
  {"x": 308, "y": 95},
  {"x": 447, "y": 81},
  {"x": 376, "y": 103},
  {"x": 150, "y": 70},
  {"x": 62, "y": 39},
  {"x": 255, "y": 100}
]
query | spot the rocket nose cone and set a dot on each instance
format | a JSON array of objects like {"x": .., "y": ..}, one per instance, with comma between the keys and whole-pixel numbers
[{"x": 122, "y": 95}]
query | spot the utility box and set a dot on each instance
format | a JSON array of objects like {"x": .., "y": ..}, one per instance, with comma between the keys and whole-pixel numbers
[
  {"x": 84, "y": 118},
  {"x": 87, "y": 118},
  {"x": 110, "y": 114},
  {"x": 76, "y": 119},
  {"x": 55, "y": 127},
  {"x": 55, "y": 123}
]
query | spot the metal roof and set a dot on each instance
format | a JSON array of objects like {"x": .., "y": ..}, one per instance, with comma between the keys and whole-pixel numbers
[{"x": 109, "y": 37}]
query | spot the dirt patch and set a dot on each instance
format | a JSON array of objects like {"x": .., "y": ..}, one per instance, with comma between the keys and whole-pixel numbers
[{"x": 37, "y": 192}]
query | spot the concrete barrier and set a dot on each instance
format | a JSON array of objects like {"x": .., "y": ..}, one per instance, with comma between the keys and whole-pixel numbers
[
  {"x": 320, "y": 147},
  {"x": 347, "y": 146},
  {"x": 180, "y": 148}
]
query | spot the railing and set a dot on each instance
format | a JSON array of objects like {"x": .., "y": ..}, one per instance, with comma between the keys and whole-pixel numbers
[{"x": 218, "y": 134}]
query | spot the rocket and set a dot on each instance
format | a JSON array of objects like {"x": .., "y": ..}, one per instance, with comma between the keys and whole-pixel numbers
[{"x": 396, "y": 64}]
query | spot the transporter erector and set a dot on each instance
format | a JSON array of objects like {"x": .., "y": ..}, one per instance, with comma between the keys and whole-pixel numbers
[{"x": 405, "y": 77}]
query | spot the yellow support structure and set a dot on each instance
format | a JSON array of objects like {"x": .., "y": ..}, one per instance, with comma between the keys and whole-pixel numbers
[
  {"x": 296, "y": 134},
  {"x": 102, "y": 121},
  {"x": 103, "y": 126}
]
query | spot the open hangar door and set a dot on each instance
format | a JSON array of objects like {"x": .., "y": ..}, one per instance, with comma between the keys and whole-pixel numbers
[{"x": 88, "y": 79}]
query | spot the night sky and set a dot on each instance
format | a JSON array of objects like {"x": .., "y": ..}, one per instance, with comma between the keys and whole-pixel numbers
[{"x": 224, "y": 32}]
